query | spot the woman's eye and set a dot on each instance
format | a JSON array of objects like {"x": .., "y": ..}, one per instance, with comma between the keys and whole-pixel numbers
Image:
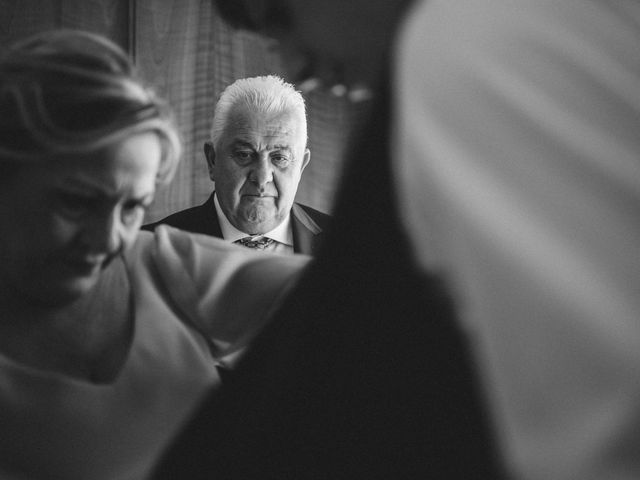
[
  {"x": 132, "y": 212},
  {"x": 74, "y": 205}
]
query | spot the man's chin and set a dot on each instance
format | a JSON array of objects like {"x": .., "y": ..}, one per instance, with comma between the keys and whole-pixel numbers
[{"x": 257, "y": 221}]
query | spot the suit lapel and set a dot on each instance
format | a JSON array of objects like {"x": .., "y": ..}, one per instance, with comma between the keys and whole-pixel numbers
[
  {"x": 305, "y": 231},
  {"x": 210, "y": 218}
]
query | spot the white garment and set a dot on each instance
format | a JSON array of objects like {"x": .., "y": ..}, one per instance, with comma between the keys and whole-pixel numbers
[
  {"x": 282, "y": 234},
  {"x": 518, "y": 135},
  {"x": 183, "y": 286}
]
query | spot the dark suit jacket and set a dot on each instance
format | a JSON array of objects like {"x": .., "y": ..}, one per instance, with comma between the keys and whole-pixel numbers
[{"x": 308, "y": 224}]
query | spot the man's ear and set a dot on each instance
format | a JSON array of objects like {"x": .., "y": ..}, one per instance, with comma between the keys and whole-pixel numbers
[
  {"x": 305, "y": 159},
  {"x": 210, "y": 155}
]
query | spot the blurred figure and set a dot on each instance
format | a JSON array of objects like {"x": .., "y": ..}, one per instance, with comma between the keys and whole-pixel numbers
[
  {"x": 108, "y": 338},
  {"x": 256, "y": 157},
  {"x": 364, "y": 372},
  {"x": 515, "y": 164},
  {"x": 518, "y": 169}
]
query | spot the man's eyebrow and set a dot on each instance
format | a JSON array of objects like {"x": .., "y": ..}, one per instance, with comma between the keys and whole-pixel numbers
[
  {"x": 243, "y": 143},
  {"x": 281, "y": 147}
]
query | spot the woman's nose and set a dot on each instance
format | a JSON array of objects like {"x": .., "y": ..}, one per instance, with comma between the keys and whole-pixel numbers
[{"x": 105, "y": 233}]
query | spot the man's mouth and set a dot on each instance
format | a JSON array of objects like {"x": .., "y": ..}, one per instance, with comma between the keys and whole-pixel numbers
[{"x": 259, "y": 195}]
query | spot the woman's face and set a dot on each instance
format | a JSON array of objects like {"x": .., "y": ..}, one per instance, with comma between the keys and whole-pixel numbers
[{"x": 61, "y": 223}]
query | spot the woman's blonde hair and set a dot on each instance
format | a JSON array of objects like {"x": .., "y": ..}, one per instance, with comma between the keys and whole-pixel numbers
[{"x": 69, "y": 92}]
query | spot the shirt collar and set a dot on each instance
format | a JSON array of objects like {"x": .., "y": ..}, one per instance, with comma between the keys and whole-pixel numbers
[{"x": 282, "y": 233}]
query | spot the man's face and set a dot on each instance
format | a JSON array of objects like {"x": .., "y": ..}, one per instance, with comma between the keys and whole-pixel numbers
[{"x": 257, "y": 166}]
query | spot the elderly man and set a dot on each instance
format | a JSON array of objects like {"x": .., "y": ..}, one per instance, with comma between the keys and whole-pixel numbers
[{"x": 256, "y": 158}]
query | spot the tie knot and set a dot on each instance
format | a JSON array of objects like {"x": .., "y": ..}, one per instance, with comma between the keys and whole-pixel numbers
[{"x": 256, "y": 242}]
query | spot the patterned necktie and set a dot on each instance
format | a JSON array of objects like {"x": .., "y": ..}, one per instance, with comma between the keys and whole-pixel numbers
[{"x": 256, "y": 242}]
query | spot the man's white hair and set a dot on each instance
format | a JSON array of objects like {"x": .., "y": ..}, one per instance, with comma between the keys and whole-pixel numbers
[{"x": 267, "y": 94}]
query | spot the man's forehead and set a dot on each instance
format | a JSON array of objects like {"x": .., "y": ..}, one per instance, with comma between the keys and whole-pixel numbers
[
  {"x": 261, "y": 143},
  {"x": 247, "y": 125}
]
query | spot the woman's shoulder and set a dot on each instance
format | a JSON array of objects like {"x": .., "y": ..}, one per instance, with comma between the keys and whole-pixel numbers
[
  {"x": 199, "y": 255},
  {"x": 228, "y": 290}
]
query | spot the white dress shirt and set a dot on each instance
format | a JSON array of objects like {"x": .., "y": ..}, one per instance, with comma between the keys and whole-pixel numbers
[{"x": 282, "y": 234}]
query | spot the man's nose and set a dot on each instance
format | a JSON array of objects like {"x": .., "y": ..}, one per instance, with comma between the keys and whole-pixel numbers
[{"x": 262, "y": 172}]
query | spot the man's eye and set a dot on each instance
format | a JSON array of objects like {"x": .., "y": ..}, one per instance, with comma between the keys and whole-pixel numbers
[
  {"x": 243, "y": 156},
  {"x": 280, "y": 160}
]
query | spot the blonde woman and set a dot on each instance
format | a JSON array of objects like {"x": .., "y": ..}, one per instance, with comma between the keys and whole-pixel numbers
[{"x": 108, "y": 337}]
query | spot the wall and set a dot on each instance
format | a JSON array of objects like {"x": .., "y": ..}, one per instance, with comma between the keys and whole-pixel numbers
[{"x": 189, "y": 55}]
